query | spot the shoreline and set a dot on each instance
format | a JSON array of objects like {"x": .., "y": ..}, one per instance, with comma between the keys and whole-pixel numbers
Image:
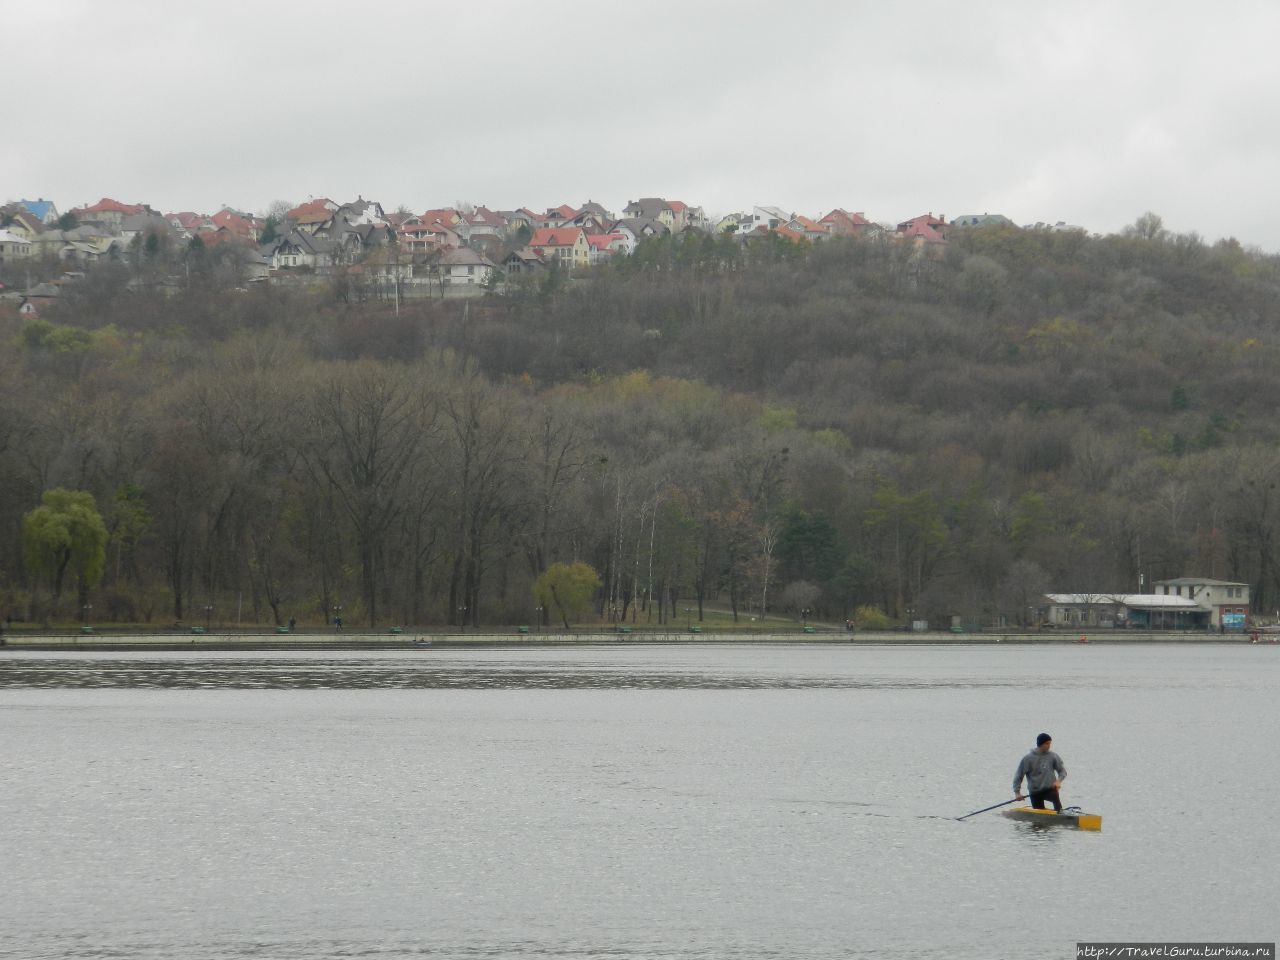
[{"x": 351, "y": 641}]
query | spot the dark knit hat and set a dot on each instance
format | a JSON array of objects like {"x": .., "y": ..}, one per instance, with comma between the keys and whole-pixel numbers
[{"x": 1043, "y": 739}]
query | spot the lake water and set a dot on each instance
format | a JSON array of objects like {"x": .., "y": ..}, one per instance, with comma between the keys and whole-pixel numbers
[{"x": 709, "y": 801}]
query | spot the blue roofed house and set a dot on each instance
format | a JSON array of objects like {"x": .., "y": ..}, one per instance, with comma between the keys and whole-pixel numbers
[{"x": 44, "y": 209}]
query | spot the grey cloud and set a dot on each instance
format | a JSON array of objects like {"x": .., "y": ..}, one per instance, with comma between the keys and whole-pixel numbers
[{"x": 1090, "y": 112}]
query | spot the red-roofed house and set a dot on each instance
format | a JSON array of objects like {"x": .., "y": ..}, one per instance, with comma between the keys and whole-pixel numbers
[
  {"x": 564, "y": 245},
  {"x": 236, "y": 226},
  {"x": 683, "y": 215},
  {"x": 188, "y": 224},
  {"x": 420, "y": 236},
  {"x": 217, "y": 236},
  {"x": 110, "y": 212},
  {"x": 484, "y": 222},
  {"x": 925, "y": 228},
  {"x": 557, "y": 216},
  {"x": 313, "y": 214},
  {"x": 445, "y": 216},
  {"x": 842, "y": 223},
  {"x": 602, "y": 246},
  {"x": 809, "y": 229}
]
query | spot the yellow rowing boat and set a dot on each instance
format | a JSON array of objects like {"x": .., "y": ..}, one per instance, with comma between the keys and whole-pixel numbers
[{"x": 1051, "y": 818}]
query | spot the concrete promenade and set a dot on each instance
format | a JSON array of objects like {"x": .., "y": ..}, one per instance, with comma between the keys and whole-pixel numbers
[{"x": 509, "y": 637}]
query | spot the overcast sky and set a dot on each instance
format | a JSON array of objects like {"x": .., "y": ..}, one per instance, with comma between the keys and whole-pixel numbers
[{"x": 1090, "y": 112}]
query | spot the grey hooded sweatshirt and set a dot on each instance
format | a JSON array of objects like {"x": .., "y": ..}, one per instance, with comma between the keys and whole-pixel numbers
[{"x": 1040, "y": 769}]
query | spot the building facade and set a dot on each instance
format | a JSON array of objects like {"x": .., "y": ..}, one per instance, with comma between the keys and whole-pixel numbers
[{"x": 1227, "y": 601}]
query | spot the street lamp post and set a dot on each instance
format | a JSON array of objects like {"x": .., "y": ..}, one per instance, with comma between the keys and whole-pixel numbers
[
  {"x": 208, "y": 615},
  {"x": 688, "y": 616},
  {"x": 804, "y": 617},
  {"x": 84, "y": 613},
  {"x": 538, "y": 611},
  {"x": 462, "y": 617}
]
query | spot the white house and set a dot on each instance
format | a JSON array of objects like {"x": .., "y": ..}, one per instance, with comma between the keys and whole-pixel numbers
[
  {"x": 770, "y": 218},
  {"x": 463, "y": 266},
  {"x": 13, "y": 247},
  {"x": 604, "y": 245},
  {"x": 300, "y": 249}
]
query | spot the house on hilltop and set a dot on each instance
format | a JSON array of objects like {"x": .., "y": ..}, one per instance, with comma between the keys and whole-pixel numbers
[
  {"x": 763, "y": 219},
  {"x": 310, "y": 216},
  {"x": 842, "y": 223},
  {"x": 597, "y": 210},
  {"x": 110, "y": 213},
  {"x": 187, "y": 224},
  {"x": 687, "y": 216},
  {"x": 464, "y": 266},
  {"x": 42, "y": 209},
  {"x": 603, "y": 246},
  {"x": 241, "y": 228},
  {"x": 522, "y": 262},
  {"x": 17, "y": 219},
  {"x": 518, "y": 220},
  {"x": 925, "y": 228},
  {"x": 139, "y": 226},
  {"x": 483, "y": 222},
  {"x": 13, "y": 247},
  {"x": 635, "y": 229},
  {"x": 299, "y": 248},
  {"x": 566, "y": 246},
  {"x": 810, "y": 230},
  {"x": 651, "y": 208},
  {"x": 361, "y": 211},
  {"x": 981, "y": 220}
]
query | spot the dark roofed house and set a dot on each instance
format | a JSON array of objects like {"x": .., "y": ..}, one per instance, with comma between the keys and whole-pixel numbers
[
  {"x": 464, "y": 266},
  {"x": 522, "y": 262},
  {"x": 301, "y": 249},
  {"x": 16, "y": 218},
  {"x": 637, "y": 228},
  {"x": 595, "y": 209},
  {"x": 982, "y": 220},
  {"x": 144, "y": 224},
  {"x": 651, "y": 208},
  {"x": 518, "y": 220},
  {"x": 362, "y": 211}
]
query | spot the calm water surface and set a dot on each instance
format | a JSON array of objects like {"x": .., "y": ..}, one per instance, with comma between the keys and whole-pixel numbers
[{"x": 630, "y": 802}]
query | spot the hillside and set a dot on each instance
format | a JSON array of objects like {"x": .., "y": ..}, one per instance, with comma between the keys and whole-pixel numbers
[{"x": 828, "y": 427}]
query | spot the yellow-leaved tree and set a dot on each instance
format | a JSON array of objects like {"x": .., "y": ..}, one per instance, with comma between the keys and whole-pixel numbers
[{"x": 568, "y": 587}]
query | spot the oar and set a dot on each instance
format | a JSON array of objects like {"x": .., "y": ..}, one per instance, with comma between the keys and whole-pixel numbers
[{"x": 992, "y": 807}]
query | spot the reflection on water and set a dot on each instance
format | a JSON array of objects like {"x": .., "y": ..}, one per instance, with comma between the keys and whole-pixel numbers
[{"x": 418, "y": 674}]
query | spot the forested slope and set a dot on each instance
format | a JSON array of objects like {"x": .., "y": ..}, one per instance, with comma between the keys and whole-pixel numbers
[{"x": 853, "y": 424}]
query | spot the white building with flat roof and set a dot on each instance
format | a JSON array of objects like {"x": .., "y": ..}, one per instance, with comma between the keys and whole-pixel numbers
[{"x": 1143, "y": 610}]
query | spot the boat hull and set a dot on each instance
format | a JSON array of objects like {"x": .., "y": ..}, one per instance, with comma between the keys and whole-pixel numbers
[{"x": 1051, "y": 818}]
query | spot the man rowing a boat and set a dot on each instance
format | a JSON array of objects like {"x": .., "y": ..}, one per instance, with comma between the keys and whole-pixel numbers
[{"x": 1044, "y": 772}]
